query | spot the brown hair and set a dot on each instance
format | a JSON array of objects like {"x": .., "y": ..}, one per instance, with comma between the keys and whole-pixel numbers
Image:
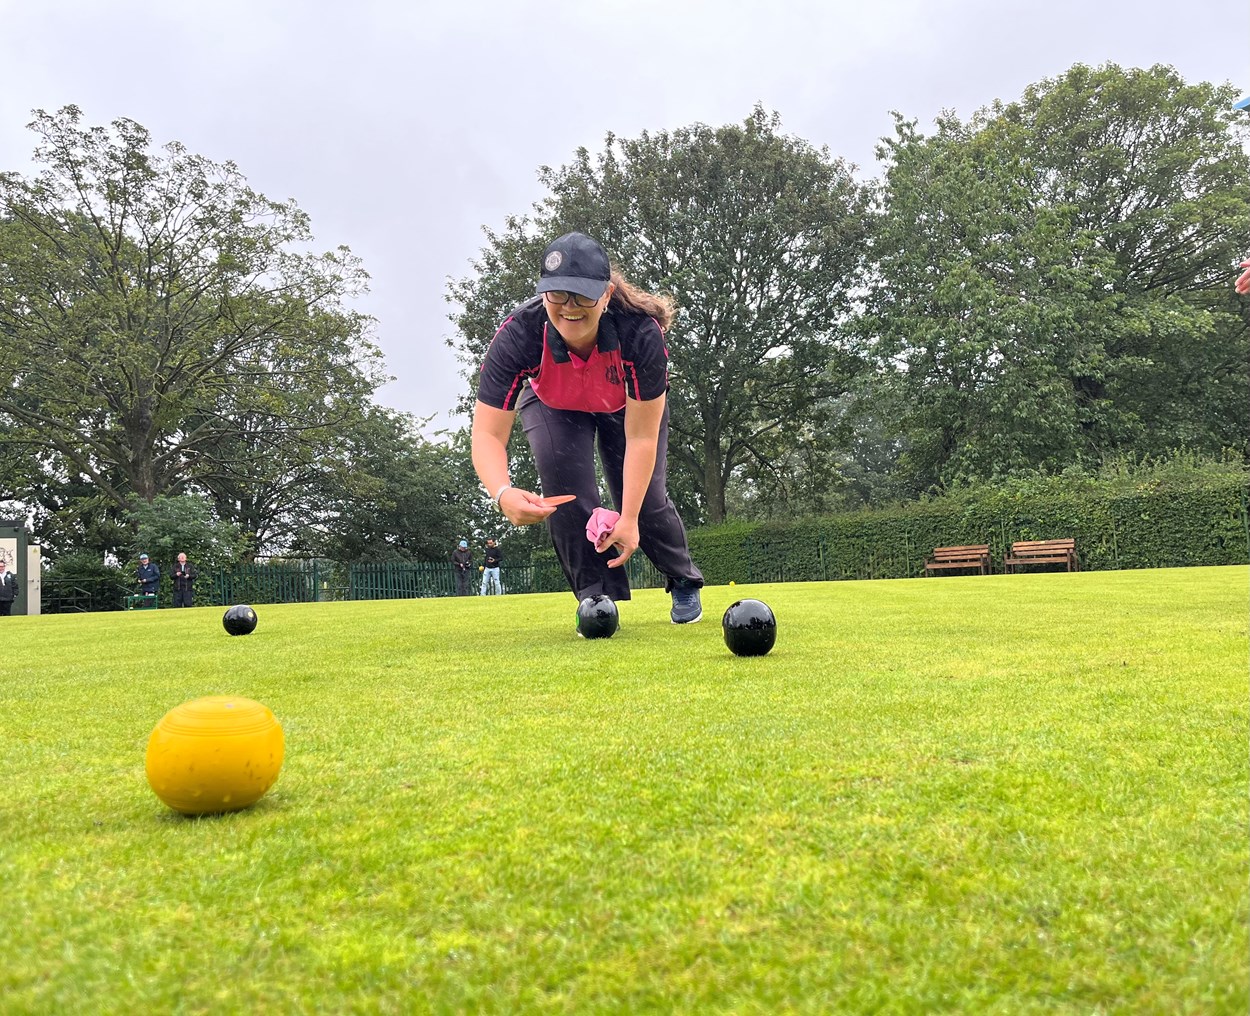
[{"x": 630, "y": 298}]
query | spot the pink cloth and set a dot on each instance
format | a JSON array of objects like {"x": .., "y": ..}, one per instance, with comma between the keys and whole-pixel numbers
[{"x": 601, "y": 521}]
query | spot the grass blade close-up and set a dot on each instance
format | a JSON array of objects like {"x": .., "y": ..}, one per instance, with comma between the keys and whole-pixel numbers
[{"x": 1010, "y": 794}]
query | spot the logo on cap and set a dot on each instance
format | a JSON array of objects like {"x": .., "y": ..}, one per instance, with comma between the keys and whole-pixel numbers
[{"x": 554, "y": 259}]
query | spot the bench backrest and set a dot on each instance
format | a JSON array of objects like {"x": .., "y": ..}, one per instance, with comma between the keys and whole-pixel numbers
[
  {"x": 1027, "y": 547},
  {"x": 960, "y": 553}
]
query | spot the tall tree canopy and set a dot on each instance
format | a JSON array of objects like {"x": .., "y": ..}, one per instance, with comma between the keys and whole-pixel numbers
[
  {"x": 393, "y": 495},
  {"x": 759, "y": 236},
  {"x": 162, "y": 327},
  {"x": 1051, "y": 279}
]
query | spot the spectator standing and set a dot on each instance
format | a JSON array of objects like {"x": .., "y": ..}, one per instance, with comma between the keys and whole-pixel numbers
[
  {"x": 462, "y": 562},
  {"x": 491, "y": 582},
  {"x": 148, "y": 576},
  {"x": 184, "y": 579},
  {"x": 8, "y": 589}
]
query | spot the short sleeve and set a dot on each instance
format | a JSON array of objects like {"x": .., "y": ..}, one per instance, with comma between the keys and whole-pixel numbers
[
  {"x": 645, "y": 361},
  {"x": 512, "y": 357}
]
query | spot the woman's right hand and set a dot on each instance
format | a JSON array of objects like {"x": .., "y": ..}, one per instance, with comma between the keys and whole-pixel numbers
[
  {"x": 523, "y": 507},
  {"x": 1242, "y": 285}
]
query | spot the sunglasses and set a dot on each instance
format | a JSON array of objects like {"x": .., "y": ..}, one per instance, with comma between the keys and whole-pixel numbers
[{"x": 559, "y": 297}]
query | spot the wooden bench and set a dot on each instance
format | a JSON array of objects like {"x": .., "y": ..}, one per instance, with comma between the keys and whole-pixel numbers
[
  {"x": 975, "y": 556},
  {"x": 1042, "y": 552}
]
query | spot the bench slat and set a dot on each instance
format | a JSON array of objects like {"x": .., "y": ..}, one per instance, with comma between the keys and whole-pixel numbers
[
  {"x": 1025, "y": 552},
  {"x": 975, "y": 555}
]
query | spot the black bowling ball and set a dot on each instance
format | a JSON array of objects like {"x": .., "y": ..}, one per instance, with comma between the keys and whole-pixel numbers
[
  {"x": 750, "y": 628},
  {"x": 597, "y": 617},
  {"x": 240, "y": 620}
]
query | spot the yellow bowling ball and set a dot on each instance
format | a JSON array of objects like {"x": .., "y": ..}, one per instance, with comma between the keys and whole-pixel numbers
[{"x": 213, "y": 754}]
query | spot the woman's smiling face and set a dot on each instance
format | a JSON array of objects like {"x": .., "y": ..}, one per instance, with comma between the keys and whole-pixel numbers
[{"x": 578, "y": 326}]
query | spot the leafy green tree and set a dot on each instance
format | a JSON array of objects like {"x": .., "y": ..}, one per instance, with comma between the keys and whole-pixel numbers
[
  {"x": 73, "y": 517},
  {"x": 394, "y": 495},
  {"x": 83, "y": 581},
  {"x": 156, "y": 314},
  {"x": 168, "y": 526},
  {"x": 868, "y": 464},
  {"x": 67, "y": 512},
  {"x": 974, "y": 314},
  {"x": 1051, "y": 279},
  {"x": 760, "y": 238},
  {"x": 1155, "y": 170}
]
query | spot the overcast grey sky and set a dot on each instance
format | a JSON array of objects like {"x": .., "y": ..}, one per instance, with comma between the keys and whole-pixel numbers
[{"x": 402, "y": 128}]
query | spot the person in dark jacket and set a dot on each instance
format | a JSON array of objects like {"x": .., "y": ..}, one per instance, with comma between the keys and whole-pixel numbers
[
  {"x": 462, "y": 562},
  {"x": 184, "y": 579},
  {"x": 584, "y": 363},
  {"x": 491, "y": 582},
  {"x": 8, "y": 589},
  {"x": 148, "y": 576}
]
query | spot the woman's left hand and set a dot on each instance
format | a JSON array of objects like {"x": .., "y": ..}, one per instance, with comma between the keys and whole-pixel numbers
[{"x": 624, "y": 537}]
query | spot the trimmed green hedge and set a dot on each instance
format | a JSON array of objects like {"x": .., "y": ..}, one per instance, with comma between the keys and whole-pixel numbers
[
  {"x": 1166, "y": 518},
  {"x": 1150, "y": 524}
]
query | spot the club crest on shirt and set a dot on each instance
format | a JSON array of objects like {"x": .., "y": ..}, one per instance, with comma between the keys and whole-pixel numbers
[
  {"x": 612, "y": 374},
  {"x": 553, "y": 261}
]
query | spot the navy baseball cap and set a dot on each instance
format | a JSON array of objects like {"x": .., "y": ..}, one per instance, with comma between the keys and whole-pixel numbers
[
  {"x": 143, "y": 557},
  {"x": 577, "y": 264}
]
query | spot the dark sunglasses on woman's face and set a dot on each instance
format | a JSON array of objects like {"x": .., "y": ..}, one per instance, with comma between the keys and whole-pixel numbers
[{"x": 559, "y": 297}]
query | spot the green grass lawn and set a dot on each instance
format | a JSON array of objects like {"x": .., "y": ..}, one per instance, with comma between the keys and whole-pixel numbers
[{"x": 1010, "y": 794}]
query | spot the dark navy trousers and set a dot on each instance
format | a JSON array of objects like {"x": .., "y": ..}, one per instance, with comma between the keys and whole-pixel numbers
[{"x": 563, "y": 442}]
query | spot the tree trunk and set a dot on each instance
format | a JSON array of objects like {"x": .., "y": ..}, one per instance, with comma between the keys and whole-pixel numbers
[{"x": 713, "y": 482}]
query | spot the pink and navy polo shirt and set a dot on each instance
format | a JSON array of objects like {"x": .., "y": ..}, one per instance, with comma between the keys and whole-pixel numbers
[{"x": 629, "y": 359}]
